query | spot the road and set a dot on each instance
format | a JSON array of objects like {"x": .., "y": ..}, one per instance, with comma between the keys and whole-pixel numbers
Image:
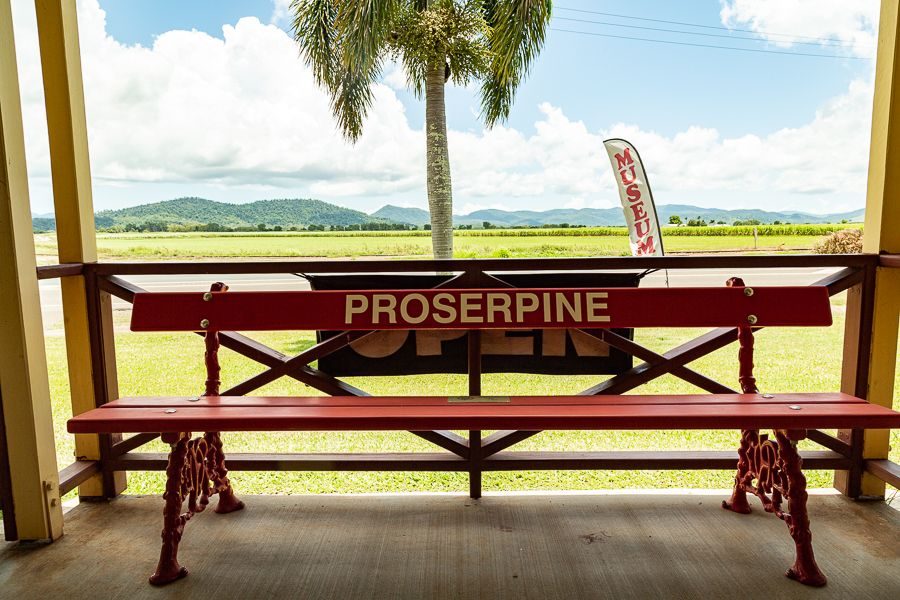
[{"x": 51, "y": 302}]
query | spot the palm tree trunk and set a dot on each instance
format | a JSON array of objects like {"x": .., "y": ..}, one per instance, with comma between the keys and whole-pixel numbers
[{"x": 437, "y": 156}]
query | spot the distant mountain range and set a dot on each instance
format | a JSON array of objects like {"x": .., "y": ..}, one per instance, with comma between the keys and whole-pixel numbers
[
  {"x": 304, "y": 212},
  {"x": 284, "y": 213},
  {"x": 610, "y": 216}
]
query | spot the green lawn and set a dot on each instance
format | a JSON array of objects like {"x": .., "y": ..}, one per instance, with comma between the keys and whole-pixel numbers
[
  {"x": 466, "y": 244},
  {"x": 171, "y": 364}
]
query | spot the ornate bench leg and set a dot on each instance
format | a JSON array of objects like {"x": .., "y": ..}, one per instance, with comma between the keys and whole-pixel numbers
[
  {"x": 168, "y": 569},
  {"x": 743, "y": 479},
  {"x": 805, "y": 569},
  {"x": 196, "y": 471},
  {"x": 215, "y": 459},
  {"x": 776, "y": 467},
  {"x": 218, "y": 474},
  {"x": 744, "y": 476}
]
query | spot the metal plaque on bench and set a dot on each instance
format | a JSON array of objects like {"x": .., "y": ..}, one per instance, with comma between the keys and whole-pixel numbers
[{"x": 401, "y": 352}]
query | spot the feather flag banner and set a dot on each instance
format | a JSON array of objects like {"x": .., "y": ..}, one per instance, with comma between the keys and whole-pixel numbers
[{"x": 637, "y": 200}]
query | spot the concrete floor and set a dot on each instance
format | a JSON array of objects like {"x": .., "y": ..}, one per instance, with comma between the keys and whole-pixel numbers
[{"x": 542, "y": 546}]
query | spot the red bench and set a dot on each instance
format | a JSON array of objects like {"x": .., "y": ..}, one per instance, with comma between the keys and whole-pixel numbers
[{"x": 768, "y": 468}]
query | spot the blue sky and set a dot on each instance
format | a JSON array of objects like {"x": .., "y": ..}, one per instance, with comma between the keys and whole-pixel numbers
[{"x": 221, "y": 112}]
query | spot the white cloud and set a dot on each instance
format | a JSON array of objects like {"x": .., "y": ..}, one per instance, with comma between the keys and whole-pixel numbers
[
  {"x": 395, "y": 76},
  {"x": 281, "y": 12},
  {"x": 851, "y": 23},
  {"x": 827, "y": 155},
  {"x": 242, "y": 112},
  {"x": 31, "y": 88}
]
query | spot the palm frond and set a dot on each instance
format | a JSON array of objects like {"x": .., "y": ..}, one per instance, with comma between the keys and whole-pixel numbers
[
  {"x": 517, "y": 32},
  {"x": 352, "y": 98},
  {"x": 316, "y": 36},
  {"x": 342, "y": 42},
  {"x": 366, "y": 28}
]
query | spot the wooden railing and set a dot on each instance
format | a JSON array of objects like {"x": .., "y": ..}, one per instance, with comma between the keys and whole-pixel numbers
[{"x": 475, "y": 455}]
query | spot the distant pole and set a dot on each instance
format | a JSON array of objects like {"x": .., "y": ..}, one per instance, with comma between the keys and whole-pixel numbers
[{"x": 755, "y": 239}]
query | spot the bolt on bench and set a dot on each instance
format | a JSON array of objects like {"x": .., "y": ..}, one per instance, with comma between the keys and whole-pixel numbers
[{"x": 770, "y": 468}]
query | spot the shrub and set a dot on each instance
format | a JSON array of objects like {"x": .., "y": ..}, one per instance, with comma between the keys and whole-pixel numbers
[{"x": 845, "y": 241}]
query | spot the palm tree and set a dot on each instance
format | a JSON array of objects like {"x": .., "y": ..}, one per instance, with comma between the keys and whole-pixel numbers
[{"x": 347, "y": 42}]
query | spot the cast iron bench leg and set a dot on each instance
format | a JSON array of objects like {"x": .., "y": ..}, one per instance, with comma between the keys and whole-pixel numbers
[
  {"x": 743, "y": 479},
  {"x": 777, "y": 468},
  {"x": 805, "y": 569},
  {"x": 169, "y": 569},
  {"x": 196, "y": 470},
  {"x": 228, "y": 502}
]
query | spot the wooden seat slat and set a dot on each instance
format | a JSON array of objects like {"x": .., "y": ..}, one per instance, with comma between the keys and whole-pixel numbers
[
  {"x": 486, "y": 417},
  {"x": 288, "y": 401}
]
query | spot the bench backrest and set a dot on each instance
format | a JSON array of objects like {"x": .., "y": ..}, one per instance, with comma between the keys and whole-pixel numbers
[{"x": 502, "y": 308}]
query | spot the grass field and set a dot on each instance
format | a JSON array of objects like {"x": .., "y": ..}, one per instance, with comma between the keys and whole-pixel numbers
[
  {"x": 167, "y": 364},
  {"x": 467, "y": 244}
]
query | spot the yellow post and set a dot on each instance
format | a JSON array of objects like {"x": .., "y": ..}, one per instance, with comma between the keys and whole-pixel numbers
[
  {"x": 882, "y": 234},
  {"x": 23, "y": 364},
  {"x": 76, "y": 237}
]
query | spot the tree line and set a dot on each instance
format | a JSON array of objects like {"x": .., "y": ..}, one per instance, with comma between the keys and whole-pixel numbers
[
  {"x": 162, "y": 226},
  {"x": 700, "y": 222}
]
